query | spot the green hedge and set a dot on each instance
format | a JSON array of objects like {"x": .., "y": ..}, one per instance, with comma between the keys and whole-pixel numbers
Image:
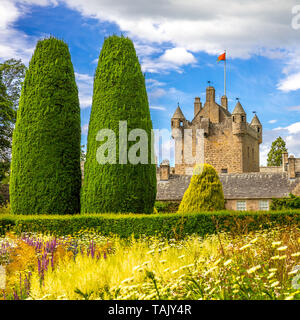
[
  {"x": 172, "y": 225},
  {"x": 293, "y": 202}
]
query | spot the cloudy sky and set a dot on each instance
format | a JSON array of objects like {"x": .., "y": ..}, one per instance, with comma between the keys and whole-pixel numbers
[{"x": 178, "y": 42}]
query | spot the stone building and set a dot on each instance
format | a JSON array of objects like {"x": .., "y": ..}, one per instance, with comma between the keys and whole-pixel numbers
[
  {"x": 231, "y": 144},
  {"x": 242, "y": 191}
]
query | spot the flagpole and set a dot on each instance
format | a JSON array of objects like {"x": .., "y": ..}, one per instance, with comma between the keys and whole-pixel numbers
[{"x": 225, "y": 74}]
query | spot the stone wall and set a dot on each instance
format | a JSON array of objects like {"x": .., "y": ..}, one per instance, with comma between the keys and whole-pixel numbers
[{"x": 271, "y": 169}]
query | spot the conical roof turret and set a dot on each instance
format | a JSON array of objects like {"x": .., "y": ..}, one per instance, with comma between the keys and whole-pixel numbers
[
  {"x": 255, "y": 121},
  {"x": 238, "y": 109},
  {"x": 178, "y": 114}
]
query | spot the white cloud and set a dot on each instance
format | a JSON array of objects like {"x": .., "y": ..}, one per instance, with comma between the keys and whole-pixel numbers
[
  {"x": 178, "y": 56},
  {"x": 85, "y": 88},
  {"x": 85, "y": 128},
  {"x": 272, "y": 121},
  {"x": 157, "y": 108},
  {"x": 290, "y": 83},
  {"x": 291, "y": 129}
]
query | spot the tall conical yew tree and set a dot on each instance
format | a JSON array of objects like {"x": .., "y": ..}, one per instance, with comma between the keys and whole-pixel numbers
[
  {"x": 45, "y": 174},
  {"x": 205, "y": 192},
  {"x": 119, "y": 95}
]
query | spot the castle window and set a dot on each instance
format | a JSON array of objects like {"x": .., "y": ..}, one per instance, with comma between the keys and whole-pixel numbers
[
  {"x": 224, "y": 171},
  {"x": 252, "y": 154},
  {"x": 258, "y": 129},
  {"x": 241, "y": 205},
  {"x": 243, "y": 118},
  {"x": 172, "y": 124},
  {"x": 233, "y": 118},
  {"x": 180, "y": 123},
  {"x": 263, "y": 205}
]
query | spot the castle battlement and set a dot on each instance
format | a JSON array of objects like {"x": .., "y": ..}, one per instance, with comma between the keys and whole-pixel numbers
[{"x": 231, "y": 143}]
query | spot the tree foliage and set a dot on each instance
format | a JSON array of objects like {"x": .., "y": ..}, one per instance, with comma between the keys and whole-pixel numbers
[
  {"x": 205, "y": 192},
  {"x": 275, "y": 153},
  {"x": 13, "y": 74},
  {"x": 7, "y": 118},
  {"x": 45, "y": 175},
  {"x": 119, "y": 95}
]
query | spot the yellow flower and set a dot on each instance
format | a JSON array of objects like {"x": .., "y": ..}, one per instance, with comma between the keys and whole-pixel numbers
[
  {"x": 282, "y": 248},
  {"x": 297, "y": 254},
  {"x": 226, "y": 263},
  {"x": 246, "y": 246},
  {"x": 274, "y": 284},
  {"x": 253, "y": 269}
]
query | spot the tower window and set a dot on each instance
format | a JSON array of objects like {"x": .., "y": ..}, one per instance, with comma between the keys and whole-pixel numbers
[
  {"x": 224, "y": 170},
  {"x": 258, "y": 129},
  {"x": 243, "y": 118},
  {"x": 181, "y": 123},
  {"x": 233, "y": 118}
]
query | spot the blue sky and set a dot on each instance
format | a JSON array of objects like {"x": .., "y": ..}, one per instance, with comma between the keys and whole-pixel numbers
[{"x": 178, "y": 43}]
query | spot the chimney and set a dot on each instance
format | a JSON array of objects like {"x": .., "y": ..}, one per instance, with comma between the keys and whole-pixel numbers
[
  {"x": 284, "y": 161},
  {"x": 197, "y": 106},
  {"x": 291, "y": 167},
  {"x": 165, "y": 170},
  {"x": 210, "y": 94},
  {"x": 224, "y": 102}
]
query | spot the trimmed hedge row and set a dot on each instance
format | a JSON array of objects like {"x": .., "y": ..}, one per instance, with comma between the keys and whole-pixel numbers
[{"x": 169, "y": 225}]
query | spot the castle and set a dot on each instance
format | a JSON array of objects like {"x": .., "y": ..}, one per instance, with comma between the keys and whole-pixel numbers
[{"x": 231, "y": 145}]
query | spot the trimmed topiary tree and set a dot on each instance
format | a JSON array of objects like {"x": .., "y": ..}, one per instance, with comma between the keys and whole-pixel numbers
[
  {"x": 45, "y": 170},
  {"x": 119, "y": 95},
  {"x": 205, "y": 192}
]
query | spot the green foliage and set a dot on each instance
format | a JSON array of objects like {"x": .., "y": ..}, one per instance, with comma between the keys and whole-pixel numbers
[
  {"x": 275, "y": 153},
  {"x": 293, "y": 202},
  {"x": 7, "y": 118},
  {"x": 169, "y": 225},
  {"x": 13, "y": 73},
  {"x": 119, "y": 95},
  {"x": 205, "y": 192},
  {"x": 45, "y": 175},
  {"x": 166, "y": 206}
]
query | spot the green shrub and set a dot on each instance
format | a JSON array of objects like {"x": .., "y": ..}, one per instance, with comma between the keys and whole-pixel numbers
[
  {"x": 205, "y": 192},
  {"x": 293, "y": 202},
  {"x": 166, "y": 206},
  {"x": 46, "y": 176},
  {"x": 119, "y": 94},
  {"x": 168, "y": 225}
]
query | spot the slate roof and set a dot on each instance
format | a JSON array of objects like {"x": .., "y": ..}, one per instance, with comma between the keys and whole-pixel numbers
[{"x": 254, "y": 185}]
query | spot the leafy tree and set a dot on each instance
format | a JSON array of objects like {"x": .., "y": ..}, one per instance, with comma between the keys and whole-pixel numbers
[
  {"x": 13, "y": 74},
  {"x": 205, "y": 192},
  {"x": 45, "y": 170},
  {"x": 119, "y": 94},
  {"x": 275, "y": 154},
  {"x": 7, "y": 118}
]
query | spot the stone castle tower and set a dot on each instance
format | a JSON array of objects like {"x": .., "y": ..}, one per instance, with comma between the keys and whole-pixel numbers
[{"x": 231, "y": 144}]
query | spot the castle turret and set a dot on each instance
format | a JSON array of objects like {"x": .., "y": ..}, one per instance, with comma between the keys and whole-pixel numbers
[
  {"x": 255, "y": 123},
  {"x": 239, "y": 120},
  {"x": 178, "y": 118},
  {"x": 197, "y": 106}
]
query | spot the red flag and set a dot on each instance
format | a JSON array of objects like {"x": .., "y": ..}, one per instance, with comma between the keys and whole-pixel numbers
[{"x": 222, "y": 57}]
